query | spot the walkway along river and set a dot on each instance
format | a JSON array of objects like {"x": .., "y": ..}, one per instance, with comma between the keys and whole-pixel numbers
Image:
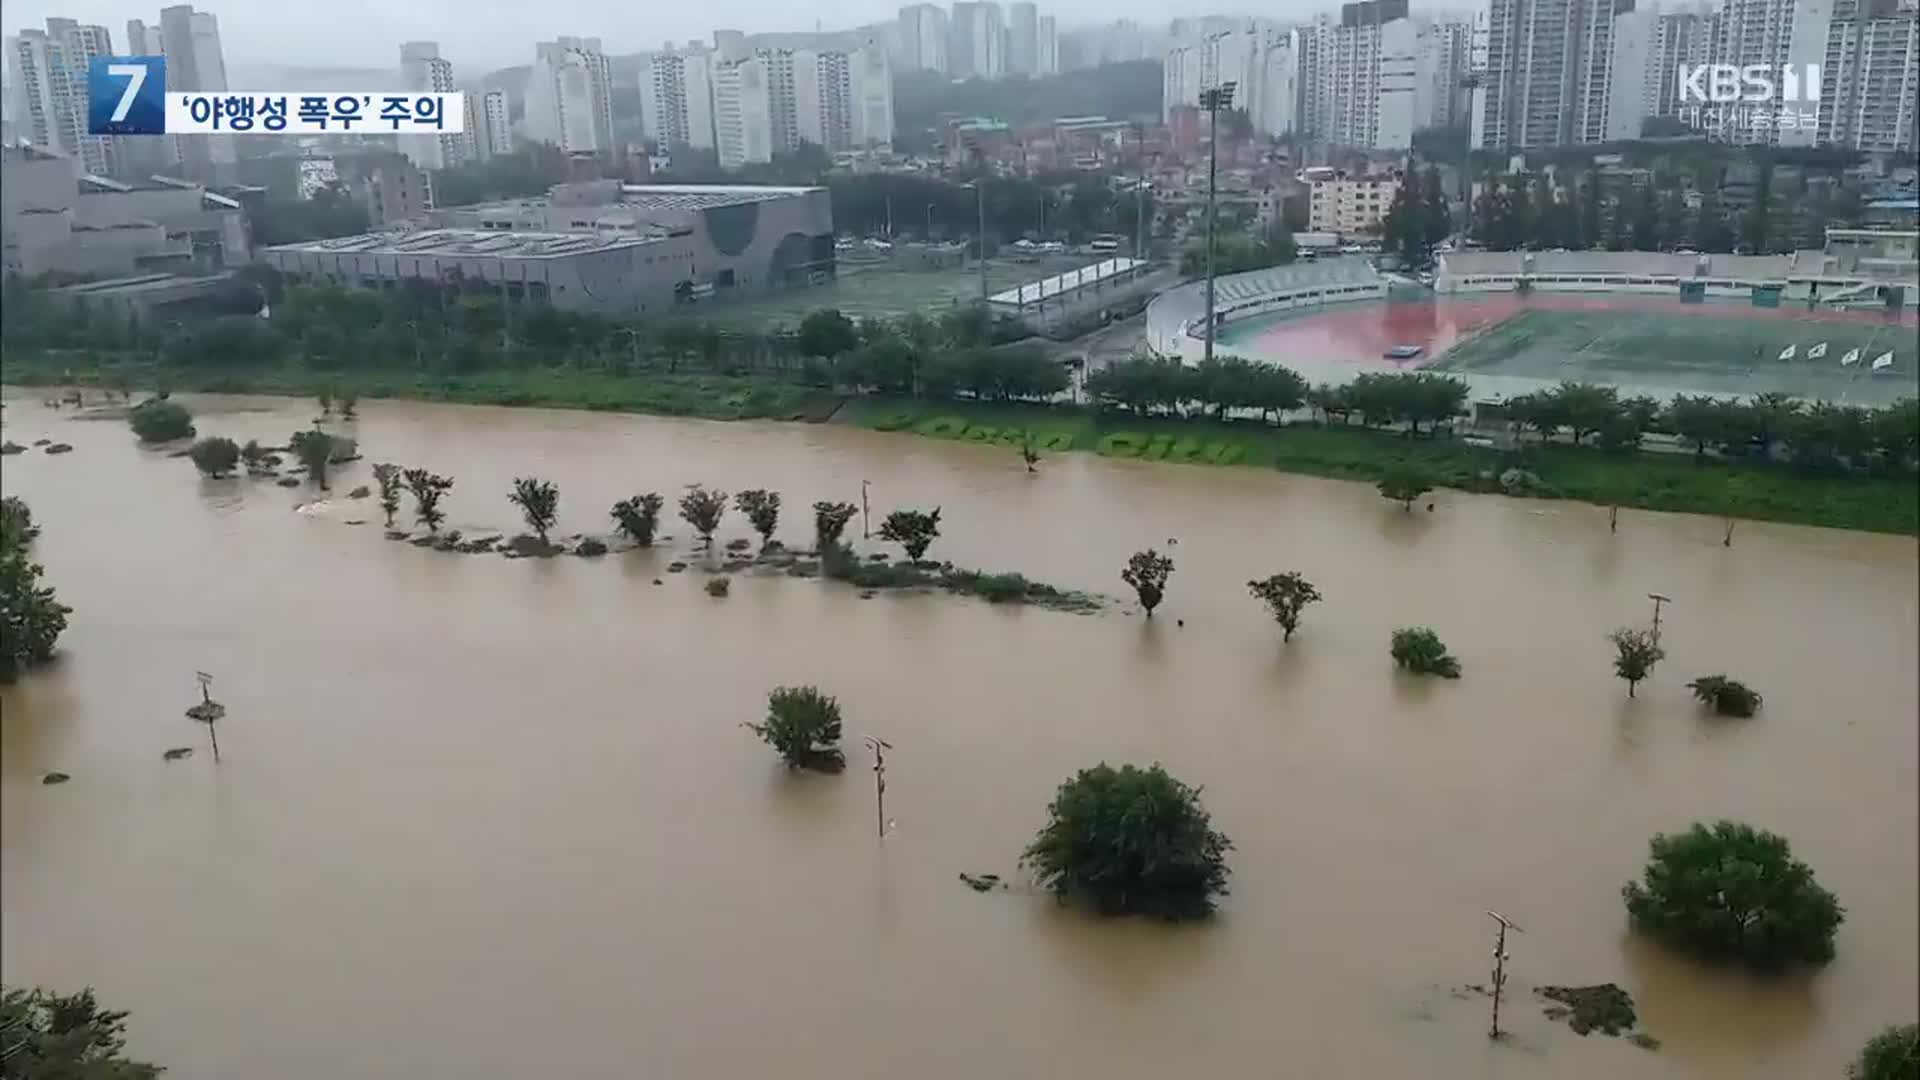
[{"x": 491, "y": 818}]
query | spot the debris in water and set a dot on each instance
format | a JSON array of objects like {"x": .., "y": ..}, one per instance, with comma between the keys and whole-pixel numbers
[
  {"x": 982, "y": 882},
  {"x": 55, "y": 778},
  {"x": 1603, "y": 1007},
  {"x": 207, "y": 712},
  {"x": 177, "y": 753}
]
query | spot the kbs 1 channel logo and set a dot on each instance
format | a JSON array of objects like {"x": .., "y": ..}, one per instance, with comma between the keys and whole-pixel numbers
[
  {"x": 1725, "y": 97},
  {"x": 127, "y": 95}
]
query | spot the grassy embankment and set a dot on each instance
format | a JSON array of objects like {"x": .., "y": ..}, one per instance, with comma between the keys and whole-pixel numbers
[{"x": 1874, "y": 503}]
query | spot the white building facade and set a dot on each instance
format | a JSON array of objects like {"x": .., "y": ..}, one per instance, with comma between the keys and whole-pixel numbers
[{"x": 570, "y": 96}]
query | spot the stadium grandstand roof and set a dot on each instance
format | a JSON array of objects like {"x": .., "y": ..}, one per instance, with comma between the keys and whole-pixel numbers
[
  {"x": 1276, "y": 279},
  {"x": 1069, "y": 282},
  {"x": 480, "y": 242}
]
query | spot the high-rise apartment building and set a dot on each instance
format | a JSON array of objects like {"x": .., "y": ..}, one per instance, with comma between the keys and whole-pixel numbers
[
  {"x": 424, "y": 70},
  {"x": 48, "y": 91},
  {"x": 834, "y": 97},
  {"x": 676, "y": 96},
  {"x": 570, "y": 96},
  {"x": 1375, "y": 76},
  {"x": 742, "y": 114},
  {"x": 922, "y": 30},
  {"x": 190, "y": 41},
  {"x": 1870, "y": 76},
  {"x": 872, "y": 75},
  {"x": 494, "y": 135},
  {"x": 1445, "y": 48},
  {"x": 1257, "y": 58},
  {"x": 1546, "y": 82},
  {"x": 977, "y": 40},
  {"x": 1047, "y": 62},
  {"x": 1023, "y": 38}
]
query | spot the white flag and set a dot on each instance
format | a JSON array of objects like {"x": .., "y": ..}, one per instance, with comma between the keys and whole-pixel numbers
[
  {"x": 1883, "y": 361},
  {"x": 1852, "y": 358},
  {"x": 1817, "y": 351},
  {"x": 1787, "y": 353}
]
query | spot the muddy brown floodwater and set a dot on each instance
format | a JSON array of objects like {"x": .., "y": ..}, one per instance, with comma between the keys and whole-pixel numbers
[{"x": 480, "y": 817}]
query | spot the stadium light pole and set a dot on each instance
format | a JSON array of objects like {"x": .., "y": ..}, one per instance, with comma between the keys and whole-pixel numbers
[{"x": 1213, "y": 101}]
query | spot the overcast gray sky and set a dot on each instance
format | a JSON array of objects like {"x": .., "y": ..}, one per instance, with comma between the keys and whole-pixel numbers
[{"x": 479, "y": 35}]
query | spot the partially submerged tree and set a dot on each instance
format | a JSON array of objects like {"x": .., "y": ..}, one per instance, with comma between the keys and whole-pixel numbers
[
  {"x": 349, "y": 405},
  {"x": 638, "y": 517},
  {"x": 48, "y": 1036},
  {"x": 913, "y": 530},
  {"x": 1634, "y": 654},
  {"x": 1286, "y": 595},
  {"x": 539, "y": 503},
  {"x": 1028, "y": 454},
  {"x": 215, "y": 457},
  {"x": 1419, "y": 650},
  {"x": 1894, "y": 1054},
  {"x": 31, "y": 618},
  {"x": 703, "y": 510},
  {"x": 1147, "y": 572},
  {"x": 1732, "y": 892},
  {"x": 804, "y": 726},
  {"x": 314, "y": 448},
  {"x": 389, "y": 480},
  {"x": 254, "y": 456},
  {"x": 1131, "y": 841},
  {"x": 762, "y": 508},
  {"x": 1405, "y": 483},
  {"x": 1727, "y": 697},
  {"x": 16, "y": 523},
  {"x": 428, "y": 489},
  {"x": 829, "y": 521},
  {"x": 157, "y": 420}
]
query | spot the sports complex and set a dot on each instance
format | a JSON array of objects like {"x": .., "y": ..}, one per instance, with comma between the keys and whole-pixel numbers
[{"x": 1835, "y": 325}]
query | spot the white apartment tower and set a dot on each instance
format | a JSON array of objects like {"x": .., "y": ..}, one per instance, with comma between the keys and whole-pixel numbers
[
  {"x": 676, "y": 97},
  {"x": 976, "y": 40},
  {"x": 1048, "y": 60},
  {"x": 742, "y": 114},
  {"x": 570, "y": 96},
  {"x": 191, "y": 40},
  {"x": 1257, "y": 59},
  {"x": 423, "y": 70},
  {"x": 1870, "y": 76},
  {"x": 1023, "y": 38},
  {"x": 495, "y": 135},
  {"x": 923, "y": 38},
  {"x": 1546, "y": 82},
  {"x": 1444, "y": 51},
  {"x": 49, "y": 91},
  {"x": 1375, "y": 76}
]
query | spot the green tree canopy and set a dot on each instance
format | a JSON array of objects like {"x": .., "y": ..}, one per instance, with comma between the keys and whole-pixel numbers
[
  {"x": 1732, "y": 892},
  {"x": 1131, "y": 841}
]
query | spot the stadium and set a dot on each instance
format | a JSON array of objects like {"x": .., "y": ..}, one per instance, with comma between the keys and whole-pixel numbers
[{"x": 1835, "y": 325}]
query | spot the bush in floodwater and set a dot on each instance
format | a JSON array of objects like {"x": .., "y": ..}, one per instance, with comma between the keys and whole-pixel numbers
[
  {"x": 993, "y": 588},
  {"x": 762, "y": 509},
  {"x": 1286, "y": 596},
  {"x": 1727, "y": 697},
  {"x": 829, "y": 521},
  {"x": 1131, "y": 841},
  {"x": 1420, "y": 650},
  {"x": 156, "y": 421},
  {"x": 1894, "y": 1054},
  {"x": 215, "y": 457},
  {"x": 1634, "y": 654},
  {"x": 914, "y": 530},
  {"x": 719, "y": 586},
  {"x": 804, "y": 726},
  {"x": 1147, "y": 571},
  {"x": 638, "y": 517},
  {"x": 66, "y": 1035},
  {"x": 703, "y": 509},
  {"x": 1731, "y": 892}
]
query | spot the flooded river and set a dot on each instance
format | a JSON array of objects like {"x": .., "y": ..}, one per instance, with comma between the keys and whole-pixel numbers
[{"x": 491, "y": 818}]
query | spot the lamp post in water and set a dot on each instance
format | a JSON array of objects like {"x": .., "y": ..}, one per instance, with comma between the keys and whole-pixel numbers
[
  {"x": 1657, "y": 601},
  {"x": 1213, "y": 100},
  {"x": 1499, "y": 967},
  {"x": 879, "y": 748}
]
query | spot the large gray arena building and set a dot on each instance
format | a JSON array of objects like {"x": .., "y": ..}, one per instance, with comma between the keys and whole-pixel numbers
[{"x": 602, "y": 245}]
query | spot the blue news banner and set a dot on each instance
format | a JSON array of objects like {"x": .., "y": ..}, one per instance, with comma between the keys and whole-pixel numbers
[{"x": 127, "y": 95}]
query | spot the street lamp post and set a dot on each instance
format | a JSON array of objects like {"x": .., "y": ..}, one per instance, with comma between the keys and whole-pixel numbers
[
  {"x": 1657, "y": 601},
  {"x": 1499, "y": 967},
  {"x": 980, "y": 195},
  {"x": 879, "y": 748},
  {"x": 1213, "y": 100}
]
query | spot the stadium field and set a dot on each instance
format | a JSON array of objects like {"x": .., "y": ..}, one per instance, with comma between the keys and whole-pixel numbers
[{"x": 1643, "y": 344}]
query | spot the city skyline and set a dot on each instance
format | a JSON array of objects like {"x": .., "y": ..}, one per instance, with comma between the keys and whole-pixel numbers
[{"x": 364, "y": 35}]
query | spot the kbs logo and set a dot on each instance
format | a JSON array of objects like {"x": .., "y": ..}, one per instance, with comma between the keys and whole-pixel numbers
[
  {"x": 1754, "y": 84},
  {"x": 127, "y": 95}
]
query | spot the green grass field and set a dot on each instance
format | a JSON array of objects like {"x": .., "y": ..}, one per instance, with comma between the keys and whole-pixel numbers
[
  {"x": 1718, "y": 348},
  {"x": 884, "y": 292}
]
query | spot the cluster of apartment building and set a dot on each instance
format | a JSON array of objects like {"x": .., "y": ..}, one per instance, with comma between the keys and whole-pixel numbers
[
  {"x": 1587, "y": 71},
  {"x": 977, "y": 39},
  {"x": 1369, "y": 77},
  {"x": 749, "y": 98}
]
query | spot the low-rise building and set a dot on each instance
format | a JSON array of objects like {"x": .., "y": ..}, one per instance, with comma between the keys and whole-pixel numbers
[
  {"x": 1346, "y": 204},
  {"x": 60, "y": 219}
]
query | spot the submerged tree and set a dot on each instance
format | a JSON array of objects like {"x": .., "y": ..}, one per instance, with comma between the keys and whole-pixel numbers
[
  {"x": 1147, "y": 572},
  {"x": 1131, "y": 841},
  {"x": 638, "y": 517},
  {"x": 388, "y": 479},
  {"x": 215, "y": 457},
  {"x": 829, "y": 521},
  {"x": 804, "y": 726},
  {"x": 158, "y": 420},
  {"x": 1419, "y": 650},
  {"x": 1286, "y": 595},
  {"x": 428, "y": 489},
  {"x": 703, "y": 510},
  {"x": 64, "y": 1037},
  {"x": 1728, "y": 697},
  {"x": 314, "y": 448},
  {"x": 914, "y": 530},
  {"x": 349, "y": 406},
  {"x": 254, "y": 456},
  {"x": 762, "y": 508},
  {"x": 1634, "y": 654},
  {"x": 1405, "y": 483},
  {"x": 539, "y": 503},
  {"x": 1894, "y": 1054},
  {"x": 1734, "y": 893},
  {"x": 31, "y": 617}
]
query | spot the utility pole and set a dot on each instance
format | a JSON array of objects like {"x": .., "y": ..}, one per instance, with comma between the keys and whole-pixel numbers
[
  {"x": 864, "y": 534},
  {"x": 1213, "y": 100},
  {"x": 879, "y": 748},
  {"x": 980, "y": 192},
  {"x": 1499, "y": 967},
  {"x": 208, "y": 711},
  {"x": 1657, "y": 601}
]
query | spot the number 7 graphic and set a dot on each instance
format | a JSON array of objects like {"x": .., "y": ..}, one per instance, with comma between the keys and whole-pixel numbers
[
  {"x": 126, "y": 95},
  {"x": 136, "y": 76}
]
